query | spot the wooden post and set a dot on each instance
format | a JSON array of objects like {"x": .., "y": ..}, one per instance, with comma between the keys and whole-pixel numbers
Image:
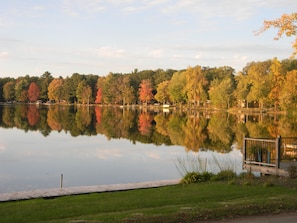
[
  {"x": 244, "y": 150},
  {"x": 61, "y": 181},
  {"x": 278, "y": 149}
]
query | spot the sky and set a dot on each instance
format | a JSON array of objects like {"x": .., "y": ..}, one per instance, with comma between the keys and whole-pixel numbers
[{"x": 101, "y": 36}]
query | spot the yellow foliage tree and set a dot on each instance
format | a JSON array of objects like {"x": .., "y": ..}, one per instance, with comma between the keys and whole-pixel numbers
[{"x": 286, "y": 25}]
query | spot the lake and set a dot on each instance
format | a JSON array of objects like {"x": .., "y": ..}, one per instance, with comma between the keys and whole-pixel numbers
[{"x": 107, "y": 145}]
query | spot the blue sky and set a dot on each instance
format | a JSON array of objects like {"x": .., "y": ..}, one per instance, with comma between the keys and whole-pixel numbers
[{"x": 102, "y": 36}]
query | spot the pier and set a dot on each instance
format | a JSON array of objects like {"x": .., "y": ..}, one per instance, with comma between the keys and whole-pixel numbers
[
  {"x": 270, "y": 156},
  {"x": 57, "y": 192}
]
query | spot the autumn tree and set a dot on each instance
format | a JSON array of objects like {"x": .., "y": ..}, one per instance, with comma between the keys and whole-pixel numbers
[
  {"x": 286, "y": 25},
  {"x": 98, "y": 99},
  {"x": 176, "y": 90},
  {"x": 196, "y": 85},
  {"x": 55, "y": 89},
  {"x": 127, "y": 91},
  {"x": 259, "y": 80},
  {"x": 220, "y": 92},
  {"x": 277, "y": 79},
  {"x": 83, "y": 92},
  {"x": 162, "y": 92},
  {"x": 33, "y": 92},
  {"x": 21, "y": 88},
  {"x": 9, "y": 91},
  {"x": 242, "y": 89},
  {"x": 288, "y": 97},
  {"x": 145, "y": 91}
]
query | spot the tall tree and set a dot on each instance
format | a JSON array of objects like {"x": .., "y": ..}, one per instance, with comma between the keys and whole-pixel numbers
[
  {"x": 44, "y": 82},
  {"x": 162, "y": 92},
  {"x": 9, "y": 91},
  {"x": 98, "y": 99},
  {"x": 277, "y": 80},
  {"x": 83, "y": 92},
  {"x": 196, "y": 85},
  {"x": 127, "y": 91},
  {"x": 286, "y": 25},
  {"x": 176, "y": 90},
  {"x": 55, "y": 89},
  {"x": 70, "y": 86},
  {"x": 288, "y": 96},
  {"x": 21, "y": 88},
  {"x": 258, "y": 77},
  {"x": 220, "y": 92},
  {"x": 145, "y": 91},
  {"x": 33, "y": 92}
]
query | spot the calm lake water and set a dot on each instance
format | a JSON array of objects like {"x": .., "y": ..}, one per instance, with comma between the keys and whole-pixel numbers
[{"x": 111, "y": 146}]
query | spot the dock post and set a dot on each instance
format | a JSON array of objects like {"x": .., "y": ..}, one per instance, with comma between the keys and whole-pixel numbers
[
  {"x": 278, "y": 151},
  {"x": 61, "y": 181}
]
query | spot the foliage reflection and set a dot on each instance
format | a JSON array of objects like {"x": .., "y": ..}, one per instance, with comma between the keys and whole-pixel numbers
[{"x": 194, "y": 130}]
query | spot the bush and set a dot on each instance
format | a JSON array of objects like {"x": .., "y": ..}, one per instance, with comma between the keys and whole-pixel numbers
[
  {"x": 225, "y": 175},
  {"x": 196, "y": 177},
  {"x": 292, "y": 171}
]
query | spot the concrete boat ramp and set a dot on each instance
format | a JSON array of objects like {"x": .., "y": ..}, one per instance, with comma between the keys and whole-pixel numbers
[{"x": 57, "y": 192}]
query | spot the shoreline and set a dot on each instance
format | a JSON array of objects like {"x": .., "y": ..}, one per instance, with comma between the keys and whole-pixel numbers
[{"x": 58, "y": 192}]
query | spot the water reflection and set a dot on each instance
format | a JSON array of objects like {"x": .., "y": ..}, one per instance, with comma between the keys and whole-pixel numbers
[
  {"x": 195, "y": 131},
  {"x": 104, "y": 145}
]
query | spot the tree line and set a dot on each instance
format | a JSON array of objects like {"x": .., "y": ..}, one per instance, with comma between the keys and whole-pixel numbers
[{"x": 264, "y": 84}]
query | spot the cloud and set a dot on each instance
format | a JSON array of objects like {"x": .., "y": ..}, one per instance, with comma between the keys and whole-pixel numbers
[
  {"x": 82, "y": 7},
  {"x": 110, "y": 52},
  {"x": 156, "y": 53},
  {"x": 108, "y": 153},
  {"x": 2, "y": 147},
  {"x": 3, "y": 55}
]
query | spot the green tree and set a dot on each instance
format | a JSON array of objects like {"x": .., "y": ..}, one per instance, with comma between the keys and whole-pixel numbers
[
  {"x": 220, "y": 92},
  {"x": 176, "y": 89},
  {"x": 44, "y": 82},
  {"x": 242, "y": 89},
  {"x": 258, "y": 78},
  {"x": 163, "y": 92},
  {"x": 83, "y": 92},
  {"x": 21, "y": 88},
  {"x": 277, "y": 80},
  {"x": 127, "y": 91},
  {"x": 70, "y": 86},
  {"x": 9, "y": 91},
  {"x": 288, "y": 97},
  {"x": 196, "y": 85}
]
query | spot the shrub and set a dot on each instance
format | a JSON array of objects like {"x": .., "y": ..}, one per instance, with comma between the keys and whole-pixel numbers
[
  {"x": 225, "y": 175},
  {"x": 292, "y": 171},
  {"x": 196, "y": 177}
]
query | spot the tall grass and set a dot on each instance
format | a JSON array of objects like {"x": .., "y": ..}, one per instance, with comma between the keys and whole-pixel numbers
[{"x": 212, "y": 164}]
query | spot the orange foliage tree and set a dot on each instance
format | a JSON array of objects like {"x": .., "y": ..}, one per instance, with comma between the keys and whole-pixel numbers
[
  {"x": 145, "y": 91},
  {"x": 99, "y": 96},
  {"x": 33, "y": 92},
  {"x": 286, "y": 25}
]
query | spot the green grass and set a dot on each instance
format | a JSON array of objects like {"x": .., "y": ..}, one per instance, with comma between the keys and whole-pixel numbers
[{"x": 179, "y": 203}]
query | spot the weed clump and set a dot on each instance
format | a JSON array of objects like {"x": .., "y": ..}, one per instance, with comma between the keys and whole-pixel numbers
[{"x": 292, "y": 171}]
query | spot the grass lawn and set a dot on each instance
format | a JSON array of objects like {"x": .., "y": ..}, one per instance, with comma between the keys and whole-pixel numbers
[{"x": 179, "y": 203}]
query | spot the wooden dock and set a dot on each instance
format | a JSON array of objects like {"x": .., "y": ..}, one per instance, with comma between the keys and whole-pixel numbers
[{"x": 57, "y": 192}]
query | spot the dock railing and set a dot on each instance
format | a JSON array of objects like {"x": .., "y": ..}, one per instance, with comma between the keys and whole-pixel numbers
[{"x": 269, "y": 152}]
